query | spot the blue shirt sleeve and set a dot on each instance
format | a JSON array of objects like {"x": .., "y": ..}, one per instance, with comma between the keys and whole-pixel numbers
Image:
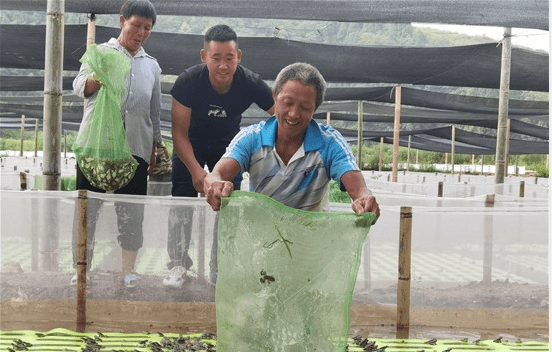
[
  {"x": 339, "y": 157},
  {"x": 244, "y": 145}
]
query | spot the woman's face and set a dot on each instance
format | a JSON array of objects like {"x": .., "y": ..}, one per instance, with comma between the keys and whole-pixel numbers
[{"x": 134, "y": 32}]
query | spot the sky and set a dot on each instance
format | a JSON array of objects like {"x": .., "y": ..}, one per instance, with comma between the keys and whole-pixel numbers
[{"x": 525, "y": 37}]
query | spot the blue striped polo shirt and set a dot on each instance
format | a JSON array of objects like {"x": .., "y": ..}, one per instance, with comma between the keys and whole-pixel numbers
[{"x": 304, "y": 182}]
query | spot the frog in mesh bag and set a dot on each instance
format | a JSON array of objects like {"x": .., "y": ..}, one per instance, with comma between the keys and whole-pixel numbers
[{"x": 140, "y": 108}]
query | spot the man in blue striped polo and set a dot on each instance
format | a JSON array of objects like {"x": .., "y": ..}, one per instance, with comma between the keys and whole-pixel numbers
[{"x": 290, "y": 157}]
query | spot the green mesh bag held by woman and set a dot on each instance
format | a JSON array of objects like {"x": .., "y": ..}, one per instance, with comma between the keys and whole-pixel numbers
[
  {"x": 102, "y": 150},
  {"x": 285, "y": 276}
]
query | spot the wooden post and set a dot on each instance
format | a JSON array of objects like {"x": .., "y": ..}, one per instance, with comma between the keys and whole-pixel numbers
[
  {"x": 366, "y": 265},
  {"x": 417, "y": 150},
  {"x": 403, "y": 284},
  {"x": 482, "y": 156},
  {"x": 328, "y": 118},
  {"x": 381, "y": 155},
  {"x": 501, "y": 129},
  {"x": 35, "y": 233},
  {"x": 22, "y": 132},
  {"x": 452, "y": 148},
  {"x": 201, "y": 244},
  {"x": 65, "y": 144},
  {"x": 36, "y": 137},
  {"x": 396, "y": 133},
  {"x": 91, "y": 30},
  {"x": 522, "y": 189},
  {"x": 360, "y": 133},
  {"x": 408, "y": 157},
  {"x": 82, "y": 260},
  {"x": 23, "y": 180},
  {"x": 440, "y": 189},
  {"x": 488, "y": 241},
  {"x": 507, "y": 150},
  {"x": 53, "y": 94}
]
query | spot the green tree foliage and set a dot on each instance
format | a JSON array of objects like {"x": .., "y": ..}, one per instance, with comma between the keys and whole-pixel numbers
[
  {"x": 336, "y": 195},
  {"x": 427, "y": 160}
]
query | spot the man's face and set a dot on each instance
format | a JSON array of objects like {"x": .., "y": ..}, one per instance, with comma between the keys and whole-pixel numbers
[
  {"x": 222, "y": 59},
  {"x": 134, "y": 32},
  {"x": 294, "y": 106}
]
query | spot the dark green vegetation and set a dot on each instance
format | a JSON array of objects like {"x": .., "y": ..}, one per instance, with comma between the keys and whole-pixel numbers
[
  {"x": 11, "y": 140},
  {"x": 427, "y": 160}
]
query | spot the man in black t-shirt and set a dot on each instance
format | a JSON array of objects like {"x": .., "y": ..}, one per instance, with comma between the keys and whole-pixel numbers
[{"x": 208, "y": 100}]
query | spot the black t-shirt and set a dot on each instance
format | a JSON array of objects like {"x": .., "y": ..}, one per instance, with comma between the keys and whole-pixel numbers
[{"x": 217, "y": 116}]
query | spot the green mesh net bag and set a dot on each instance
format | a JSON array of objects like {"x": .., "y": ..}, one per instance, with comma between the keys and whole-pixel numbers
[
  {"x": 102, "y": 150},
  {"x": 285, "y": 276}
]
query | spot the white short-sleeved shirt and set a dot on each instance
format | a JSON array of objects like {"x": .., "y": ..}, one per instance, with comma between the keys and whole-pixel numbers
[
  {"x": 304, "y": 182},
  {"x": 141, "y": 106}
]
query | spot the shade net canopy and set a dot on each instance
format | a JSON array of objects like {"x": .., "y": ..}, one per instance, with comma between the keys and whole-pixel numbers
[
  {"x": 512, "y": 13},
  {"x": 466, "y": 66},
  {"x": 286, "y": 276}
]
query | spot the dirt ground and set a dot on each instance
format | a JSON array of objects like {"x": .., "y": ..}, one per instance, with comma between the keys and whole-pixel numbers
[{"x": 41, "y": 302}]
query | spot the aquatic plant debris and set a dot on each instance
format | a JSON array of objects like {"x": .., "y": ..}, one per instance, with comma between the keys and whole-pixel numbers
[{"x": 70, "y": 341}]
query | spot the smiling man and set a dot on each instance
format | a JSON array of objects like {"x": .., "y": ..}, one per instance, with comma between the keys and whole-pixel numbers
[
  {"x": 292, "y": 158},
  {"x": 208, "y": 100}
]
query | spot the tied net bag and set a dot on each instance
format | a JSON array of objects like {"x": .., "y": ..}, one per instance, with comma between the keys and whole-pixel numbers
[
  {"x": 102, "y": 150},
  {"x": 285, "y": 276}
]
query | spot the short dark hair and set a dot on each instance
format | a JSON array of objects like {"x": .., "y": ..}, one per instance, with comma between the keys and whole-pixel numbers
[
  {"x": 221, "y": 33},
  {"x": 305, "y": 73},
  {"x": 142, "y": 8}
]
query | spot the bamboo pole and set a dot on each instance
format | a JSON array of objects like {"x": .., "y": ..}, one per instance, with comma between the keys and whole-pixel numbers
[
  {"x": 22, "y": 132},
  {"x": 360, "y": 133},
  {"x": 82, "y": 260},
  {"x": 488, "y": 241},
  {"x": 507, "y": 150},
  {"x": 396, "y": 133},
  {"x": 501, "y": 129},
  {"x": 380, "y": 167},
  {"x": 36, "y": 137},
  {"x": 35, "y": 234},
  {"x": 482, "y": 156},
  {"x": 53, "y": 94},
  {"x": 366, "y": 265},
  {"x": 201, "y": 244},
  {"x": 408, "y": 156},
  {"x": 23, "y": 180},
  {"x": 65, "y": 145},
  {"x": 403, "y": 284},
  {"x": 452, "y": 148},
  {"x": 91, "y": 30}
]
